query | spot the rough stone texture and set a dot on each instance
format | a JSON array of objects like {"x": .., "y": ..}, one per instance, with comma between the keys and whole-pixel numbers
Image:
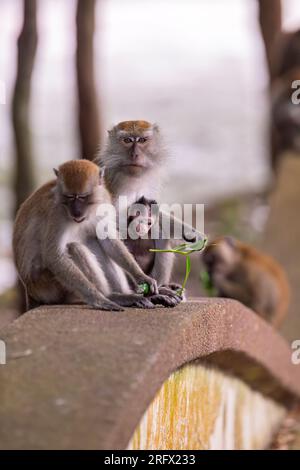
[{"x": 80, "y": 378}]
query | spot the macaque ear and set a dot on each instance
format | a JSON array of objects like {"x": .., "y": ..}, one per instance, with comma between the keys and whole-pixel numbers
[
  {"x": 56, "y": 172},
  {"x": 156, "y": 128}
]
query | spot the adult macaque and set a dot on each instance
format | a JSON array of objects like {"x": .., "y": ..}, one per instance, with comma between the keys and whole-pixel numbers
[
  {"x": 133, "y": 163},
  {"x": 57, "y": 253},
  {"x": 241, "y": 272}
]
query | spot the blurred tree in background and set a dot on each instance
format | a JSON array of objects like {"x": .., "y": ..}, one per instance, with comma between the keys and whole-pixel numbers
[
  {"x": 89, "y": 121},
  {"x": 270, "y": 18},
  {"x": 27, "y": 45}
]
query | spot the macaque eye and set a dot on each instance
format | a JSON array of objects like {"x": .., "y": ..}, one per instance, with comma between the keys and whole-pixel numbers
[
  {"x": 142, "y": 140},
  {"x": 128, "y": 140}
]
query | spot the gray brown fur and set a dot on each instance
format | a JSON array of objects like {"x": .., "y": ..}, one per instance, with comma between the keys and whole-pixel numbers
[{"x": 58, "y": 256}]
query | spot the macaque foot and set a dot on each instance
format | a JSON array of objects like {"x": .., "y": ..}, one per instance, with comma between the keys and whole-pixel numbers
[
  {"x": 172, "y": 286},
  {"x": 173, "y": 289},
  {"x": 166, "y": 297},
  {"x": 107, "y": 306},
  {"x": 132, "y": 300},
  {"x": 164, "y": 300}
]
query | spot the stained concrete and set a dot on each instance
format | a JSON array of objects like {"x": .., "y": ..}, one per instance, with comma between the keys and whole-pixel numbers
[{"x": 80, "y": 378}]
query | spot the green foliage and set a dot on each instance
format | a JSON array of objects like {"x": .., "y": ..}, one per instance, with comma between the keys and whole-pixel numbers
[
  {"x": 185, "y": 249},
  {"x": 207, "y": 284}
]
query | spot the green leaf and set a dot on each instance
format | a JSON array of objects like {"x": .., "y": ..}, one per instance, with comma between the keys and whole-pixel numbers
[
  {"x": 207, "y": 284},
  {"x": 187, "y": 273},
  {"x": 184, "y": 248}
]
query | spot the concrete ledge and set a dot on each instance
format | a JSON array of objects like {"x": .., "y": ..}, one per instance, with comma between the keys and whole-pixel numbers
[{"x": 79, "y": 378}]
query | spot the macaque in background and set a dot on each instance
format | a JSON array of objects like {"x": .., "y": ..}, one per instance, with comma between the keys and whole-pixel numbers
[
  {"x": 285, "y": 111},
  {"x": 58, "y": 255},
  {"x": 133, "y": 163},
  {"x": 241, "y": 272}
]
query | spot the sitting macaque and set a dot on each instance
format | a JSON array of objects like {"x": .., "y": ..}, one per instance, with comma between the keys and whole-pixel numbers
[
  {"x": 133, "y": 162},
  {"x": 59, "y": 257},
  {"x": 144, "y": 232},
  {"x": 239, "y": 271}
]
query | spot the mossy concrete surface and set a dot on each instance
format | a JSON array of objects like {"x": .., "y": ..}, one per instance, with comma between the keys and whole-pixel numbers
[
  {"x": 201, "y": 408},
  {"x": 78, "y": 378}
]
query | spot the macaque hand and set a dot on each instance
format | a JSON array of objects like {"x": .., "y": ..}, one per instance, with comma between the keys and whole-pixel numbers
[
  {"x": 153, "y": 288},
  {"x": 171, "y": 293}
]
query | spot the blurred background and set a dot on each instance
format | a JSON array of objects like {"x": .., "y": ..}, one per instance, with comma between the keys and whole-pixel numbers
[{"x": 208, "y": 71}]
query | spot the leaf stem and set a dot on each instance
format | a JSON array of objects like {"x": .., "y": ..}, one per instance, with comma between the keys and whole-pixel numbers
[{"x": 187, "y": 273}]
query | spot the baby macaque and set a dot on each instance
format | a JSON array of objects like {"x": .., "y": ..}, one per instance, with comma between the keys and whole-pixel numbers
[
  {"x": 144, "y": 233},
  {"x": 241, "y": 272}
]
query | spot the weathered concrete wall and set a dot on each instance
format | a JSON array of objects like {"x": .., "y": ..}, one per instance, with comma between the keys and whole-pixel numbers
[
  {"x": 78, "y": 378},
  {"x": 202, "y": 408}
]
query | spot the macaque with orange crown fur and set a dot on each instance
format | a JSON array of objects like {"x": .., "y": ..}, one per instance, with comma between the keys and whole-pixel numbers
[
  {"x": 241, "y": 272},
  {"x": 133, "y": 162},
  {"x": 57, "y": 253}
]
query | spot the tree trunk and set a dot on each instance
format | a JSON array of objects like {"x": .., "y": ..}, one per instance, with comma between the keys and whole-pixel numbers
[
  {"x": 270, "y": 18},
  {"x": 27, "y": 45},
  {"x": 89, "y": 121},
  {"x": 24, "y": 174}
]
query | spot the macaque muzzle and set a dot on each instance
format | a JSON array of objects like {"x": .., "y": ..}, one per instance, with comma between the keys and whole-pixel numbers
[
  {"x": 77, "y": 209},
  {"x": 139, "y": 226},
  {"x": 144, "y": 226}
]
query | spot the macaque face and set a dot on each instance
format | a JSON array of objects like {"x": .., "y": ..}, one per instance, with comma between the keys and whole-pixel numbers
[
  {"x": 77, "y": 205},
  {"x": 142, "y": 216},
  {"x": 212, "y": 260},
  {"x": 79, "y": 189},
  {"x": 136, "y": 150},
  {"x": 134, "y": 147},
  {"x": 220, "y": 257}
]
